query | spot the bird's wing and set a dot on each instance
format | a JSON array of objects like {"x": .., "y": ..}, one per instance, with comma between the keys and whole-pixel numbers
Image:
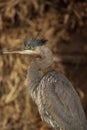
[{"x": 60, "y": 100}]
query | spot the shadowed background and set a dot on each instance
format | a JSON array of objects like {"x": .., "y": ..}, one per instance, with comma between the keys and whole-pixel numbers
[{"x": 64, "y": 24}]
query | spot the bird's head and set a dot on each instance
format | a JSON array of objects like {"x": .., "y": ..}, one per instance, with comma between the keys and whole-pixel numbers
[{"x": 31, "y": 46}]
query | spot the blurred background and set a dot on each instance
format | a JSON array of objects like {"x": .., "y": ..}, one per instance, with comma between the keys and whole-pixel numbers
[{"x": 64, "y": 24}]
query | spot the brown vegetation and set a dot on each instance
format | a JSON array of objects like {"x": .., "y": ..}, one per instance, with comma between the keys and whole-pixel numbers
[{"x": 64, "y": 24}]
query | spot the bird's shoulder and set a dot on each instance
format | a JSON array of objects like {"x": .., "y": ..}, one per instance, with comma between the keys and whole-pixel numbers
[{"x": 57, "y": 78}]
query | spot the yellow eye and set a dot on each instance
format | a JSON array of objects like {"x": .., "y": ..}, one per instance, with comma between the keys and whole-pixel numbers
[{"x": 30, "y": 47}]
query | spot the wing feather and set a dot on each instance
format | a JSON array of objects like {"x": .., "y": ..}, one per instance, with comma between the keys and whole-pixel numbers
[{"x": 60, "y": 100}]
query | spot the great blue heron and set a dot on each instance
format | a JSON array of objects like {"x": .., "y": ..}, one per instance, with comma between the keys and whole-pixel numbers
[{"x": 57, "y": 100}]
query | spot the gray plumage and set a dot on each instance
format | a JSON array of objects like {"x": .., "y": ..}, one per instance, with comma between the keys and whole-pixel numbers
[
  {"x": 59, "y": 103},
  {"x": 33, "y": 42},
  {"x": 57, "y": 100}
]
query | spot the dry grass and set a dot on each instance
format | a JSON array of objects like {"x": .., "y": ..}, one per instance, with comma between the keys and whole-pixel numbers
[{"x": 64, "y": 24}]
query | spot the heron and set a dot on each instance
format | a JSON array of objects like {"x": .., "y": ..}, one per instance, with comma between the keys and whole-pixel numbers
[{"x": 57, "y": 100}]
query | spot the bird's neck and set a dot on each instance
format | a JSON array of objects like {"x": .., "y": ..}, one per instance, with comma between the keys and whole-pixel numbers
[{"x": 34, "y": 72}]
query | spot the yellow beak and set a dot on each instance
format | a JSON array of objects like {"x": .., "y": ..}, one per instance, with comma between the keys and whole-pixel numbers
[{"x": 20, "y": 51}]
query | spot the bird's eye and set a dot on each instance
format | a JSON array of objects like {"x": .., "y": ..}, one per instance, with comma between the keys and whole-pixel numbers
[{"x": 30, "y": 47}]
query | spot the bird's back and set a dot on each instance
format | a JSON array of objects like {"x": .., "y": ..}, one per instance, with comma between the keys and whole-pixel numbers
[{"x": 59, "y": 104}]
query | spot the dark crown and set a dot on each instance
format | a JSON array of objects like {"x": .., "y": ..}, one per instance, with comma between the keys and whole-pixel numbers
[{"x": 34, "y": 42}]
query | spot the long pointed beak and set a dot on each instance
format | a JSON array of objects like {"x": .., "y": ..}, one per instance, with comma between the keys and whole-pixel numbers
[{"x": 20, "y": 51}]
